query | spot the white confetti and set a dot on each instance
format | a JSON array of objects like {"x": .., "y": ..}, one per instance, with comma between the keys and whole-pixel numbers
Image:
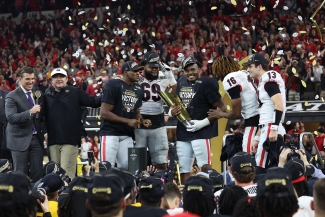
[
  {"x": 122, "y": 52},
  {"x": 245, "y": 9},
  {"x": 109, "y": 14},
  {"x": 280, "y": 52},
  {"x": 112, "y": 40},
  {"x": 119, "y": 19},
  {"x": 180, "y": 55},
  {"x": 152, "y": 45},
  {"x": 283, "y": 35},
  {"x": 87, "y": 123},
  {"x": 124, "y": 56},
  {"x": 285, "y": 8},
  {"x": 231, "y": 130},
  {"x": 264, "y": 47},
  {"x": 246, "y": 33},
  {"x": 131, "y": 51},
  {"x": 101, "y": 28},
  {"x": 226, "y": 28},
  {"x": 203, "y": 50},
  {"x": 253, "y": 27},
  {"x": 133, "y": 21},
  {"x": 300, "y": 18},
  {"x": 140, "y": 53},
  {"x": 312, "y": 78},
  {"x": 66, "y": 8},
  {"x": 288, "y": 123},
  {"x": 138, "y": 31},
  {"x": 123, "y": 44},
  {"x": 316, "y": 97},
  {"x": 280, "y": 28},
  {"x": 81, "y": 12},
  {"x": 106, "y": 7},
  {"x": 295, "y": 34},
  {"x": 210, "y": 61}
]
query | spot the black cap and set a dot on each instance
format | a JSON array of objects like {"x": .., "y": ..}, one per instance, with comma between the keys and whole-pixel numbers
[
  {"x": 130, "y": 66},
  {"x": 298, "y": 170},
  {"x": 321, "y": 129},
  {"x": 127, "y": 177},
  {"x": 200, "y": 184},
  {"x": 151, "y": 187},
  {"x": 188, "y": 61},
  {"x": 151, "y": 58},
  {"x": 275, "y": 175},
  {"x": 104, "y": 166},
  {"x": 15, "y": 187},
  {"x": 52, "y": 181},
  {"x": 109, "y": 184},
  {"x": 256, "y": 58},
  {"x": 52, "y": 167},
  {"x": 4, "y": 166},
  {"x": 216, "y": 178},
  {"x": 241, "y": 160},
  {"x": 79, "y": 184}
]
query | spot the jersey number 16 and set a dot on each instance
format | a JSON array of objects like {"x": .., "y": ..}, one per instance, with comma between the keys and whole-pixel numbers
[{"x": 150, "y": 91}]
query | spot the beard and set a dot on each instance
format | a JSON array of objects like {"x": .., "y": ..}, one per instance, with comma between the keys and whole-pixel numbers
[{"x": 150, "y": 76}]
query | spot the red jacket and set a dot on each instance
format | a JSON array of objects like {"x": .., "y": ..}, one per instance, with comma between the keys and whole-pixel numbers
[{"x": 320, "y": 142}]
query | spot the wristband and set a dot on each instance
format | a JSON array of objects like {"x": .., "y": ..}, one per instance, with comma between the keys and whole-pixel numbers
[
  {"x": 277, "y": 116},
  {"x": 170, "y": 113},
  {"x": 257, "y": 138},
  {"x": 274, "y": 127}
]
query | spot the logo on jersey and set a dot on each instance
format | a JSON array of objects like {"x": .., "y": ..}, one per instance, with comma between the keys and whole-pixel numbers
[
  {"x": 186, "y": 94},
  {"x": 129, "y": 99}
]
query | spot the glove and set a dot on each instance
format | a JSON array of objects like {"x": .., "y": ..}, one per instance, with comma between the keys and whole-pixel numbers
[
  {"x": 198, "y": 124},
  {"x": 168, "y": 73}
]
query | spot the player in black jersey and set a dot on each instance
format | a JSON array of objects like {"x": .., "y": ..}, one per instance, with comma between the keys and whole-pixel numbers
[
  {"x": 121, "y": 115},
  {"x": 198, "y": 94}
]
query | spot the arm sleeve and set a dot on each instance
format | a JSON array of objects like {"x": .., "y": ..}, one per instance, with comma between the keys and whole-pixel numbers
[
  {"x": 234, "y": 92},
  {"x": 109, "y": 93},
  {"x": 272, "y": 88},
  {"x": 88, "y": 100}
]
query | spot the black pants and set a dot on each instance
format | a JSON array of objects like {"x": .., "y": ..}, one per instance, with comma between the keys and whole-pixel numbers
[{"x": 29, "y": 162}]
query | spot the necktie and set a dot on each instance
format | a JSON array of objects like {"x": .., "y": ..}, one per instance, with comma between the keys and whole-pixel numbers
[{"x": 31, "y": 103}]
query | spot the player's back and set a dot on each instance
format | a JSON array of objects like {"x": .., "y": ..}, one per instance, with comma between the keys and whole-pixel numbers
[
  {"x": 248, "y": 92},
  {"x": 152, "y": 104},
  {"x": 267, "y": 109}
]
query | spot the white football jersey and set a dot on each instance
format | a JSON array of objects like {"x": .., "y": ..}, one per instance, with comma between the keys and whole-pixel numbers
[
  {"x": 152, "y": 104},
  {"x": 248, "y": 93},
  {"x": 266, "y": 111}
]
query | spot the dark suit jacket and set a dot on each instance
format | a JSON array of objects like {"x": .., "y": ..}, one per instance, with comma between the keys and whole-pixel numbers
[
  {"x": 3, "y": 121},
  {"x": 20, "y": 125}
]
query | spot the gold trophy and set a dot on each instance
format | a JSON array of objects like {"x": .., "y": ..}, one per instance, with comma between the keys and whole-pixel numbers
[{"x": 172, "y": 99}]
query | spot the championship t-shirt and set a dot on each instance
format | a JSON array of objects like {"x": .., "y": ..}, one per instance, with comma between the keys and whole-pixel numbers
[
  {"x": 126, "y": 100},
  {"x": 198, "y": 98}
]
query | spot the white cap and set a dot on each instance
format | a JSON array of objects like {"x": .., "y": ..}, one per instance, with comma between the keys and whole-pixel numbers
[{"x": 59, "y": 71}]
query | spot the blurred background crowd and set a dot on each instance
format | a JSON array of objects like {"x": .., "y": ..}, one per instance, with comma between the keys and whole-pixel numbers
[{"x": 92, "y": 39}]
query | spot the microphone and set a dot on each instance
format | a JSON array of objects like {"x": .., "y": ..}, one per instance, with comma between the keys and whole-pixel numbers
[{"x": 37, "y": 95}]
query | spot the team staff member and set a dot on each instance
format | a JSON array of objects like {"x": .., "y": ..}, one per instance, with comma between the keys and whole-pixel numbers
[
  {"x": 152, "y": 81},
  {"x": 62, "y": 118},
  {"x": 121, "y": 115},
  {"x": 24, "y": 135},
  {"x": 4, "y": 152},
  {"x": 272, "y": 94},
  {"x": 243, "y": 93},
  {"x": 198, "y": 94}
]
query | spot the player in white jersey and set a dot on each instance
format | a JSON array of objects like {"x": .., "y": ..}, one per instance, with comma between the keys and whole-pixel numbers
[
  {"x": 152, "y": 81},
  {"x": 243, "y": 93},
  {"x": 271, "y": 90}
]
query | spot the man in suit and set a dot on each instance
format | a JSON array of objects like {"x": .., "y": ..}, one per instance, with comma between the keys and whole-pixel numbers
[
  {"x": 24, "y": 134},
  {"x": 4, "y": 153}
]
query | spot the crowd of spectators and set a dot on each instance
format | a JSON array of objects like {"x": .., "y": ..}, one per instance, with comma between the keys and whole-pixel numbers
[{"x": 87, "y": 42}]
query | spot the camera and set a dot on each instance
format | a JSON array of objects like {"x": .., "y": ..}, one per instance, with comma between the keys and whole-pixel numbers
[
  {"x": 293, "y": 154},
  {"x": 40, "y": 192}
]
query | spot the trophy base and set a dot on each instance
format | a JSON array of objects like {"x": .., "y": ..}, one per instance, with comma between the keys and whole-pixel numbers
[{"x": 187, "y": 123}]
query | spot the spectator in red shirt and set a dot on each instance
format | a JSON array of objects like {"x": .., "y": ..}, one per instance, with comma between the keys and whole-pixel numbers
[
  {"x": 319, "y": 139},
  {"x": 93, "y": 88},
  {"x": 95, "y": 146},
  {"x": 297, "y": 129}
]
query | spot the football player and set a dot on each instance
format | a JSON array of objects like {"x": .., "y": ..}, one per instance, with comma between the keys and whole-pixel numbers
[
  {"x": 271, "y": 91},
  {"x": 155, "y": 77},
  {"x": 243, "y": 93},
  {"x": 198, "y": 94}
]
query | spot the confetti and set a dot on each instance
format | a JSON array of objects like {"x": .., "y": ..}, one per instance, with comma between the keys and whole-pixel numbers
[
  {"x": 106, "y": 43},
  {"x": 234, "y": 2},
  {"x": 283, "y": 35},
  {"x": 123, "y": 44},
  {"x": 145, "y": 51},
  {"x": 312, "y": 57},
  {"x": 213, "y": 8},
  {"x": 316, "y": 97},
  {"x": 86, "y": 24},
  {"x": 152, "y": 45},
  {"x": 65, "y": 67},
  {"x": 131, "y": 51},
  {"x": 117, "y": 48},
  {"x": 84, "y": 27},
  {"x": 138, "y": 31},
  {"x": 302, "y": 32},
  {"x": 322, "y": 99},
  {"x": 246, "y": 33},
  {"x": 125, "y": 29},
  {"x": 303, "y": 83},
  {"x": 79, "y": 3},
  {"x": 314, "y": 63},
  {"x": 210, "y": 61},
  {"x": 288, "y": 123},
  {"x": 81, "y": 12},
  {"x": 280, "y": 28},
  {"x": 98, "y": 122},
  {"x": 315, "y": 132},
  {"x": 253, "y": 27},
  {"x": 228, "y": 107},
  {"x": 109, "y": 14},
  {"x": 231, "y": 130},
  {"x": 190, "y": 2},
  {"x": 100, "y": 44},
  {"x": 71, "y": 24},
  {"x": 180, "y": 55},
  {"x": 133, "y": 21},
  {"x": 295, "y": 34},
  {"x": 124, "y": 56},
  {"x": 66, "y": 8},
  {"x": 306, "y": 103},
  {"x": 153, "y": 34},
  {"x": 95, "y": 18},
  {"x": 254, "y": 50},
  {"x": 294, "y": 71},
  {"x": 203, "y": 50},
  {"x": 300, "y": 18},
  {"x": 140, "y": 53},
  {"x": 262, "y": 8},
  {"x": 70, "y": 18},
  {"x": 226, "y": 28},
  {"x": 243, "y": 28},
  {"x": 106, "y": 7},
  {"x": 245, "y": 9},
  {"x": 247, "y": 2},
  {"x": 119, "y": 19},
  {"x": 101, "y": 28},
  {"x": 112, "y": 40},
  {"x": 267, "y": 43},
  {"x": 129, "y": 7},
  {"x": 264, "y": 47},
  {"x": 285, "y": 8}
]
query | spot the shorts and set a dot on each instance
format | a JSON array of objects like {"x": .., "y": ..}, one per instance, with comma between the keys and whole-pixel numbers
[
  {"x": 248, "y": 138},
  {"x": 114, "y": 149},
  {"x": 261, "y": 154},
  {"x": 157, "y": 142},
  {"x": 186, "y": 151}
]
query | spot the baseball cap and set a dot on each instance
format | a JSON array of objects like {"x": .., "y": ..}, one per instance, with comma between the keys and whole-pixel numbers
[
  {"x": 127, "y": 177},
  {"x": 275, "y": 175},
  {"x": 4, "y": 166},
  {"x": 321, "y": 129},
  {"x": 79, "y": 184},
  {"x": 151, "y": 187},
  {"x": 188, "y": 61},
  {"x": 108, "y": 184},
  {"x": 52, "y": 181},
  {"x": 298, "y": 170},
  {"x": 199, "y": 183},
  {"x": 294, "y": 61},
  {"x": 15, "y": 187},
  {"x": 52, "y": 167},
  {"x": 104, "y": 166},
  {"x": 241, "y": 160},
  {"x": 216, "y": 178},
  {"x": 151, "y": 58},
  {"x": 130, "y": 66},
  {"x": 256, "y": 58},
  {"x": 59, "y": 71}
]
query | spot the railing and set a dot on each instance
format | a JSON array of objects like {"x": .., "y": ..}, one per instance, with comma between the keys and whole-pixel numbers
[
  {"x": 314, "y": 145},
  {"x": 224, "y": 164}
]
